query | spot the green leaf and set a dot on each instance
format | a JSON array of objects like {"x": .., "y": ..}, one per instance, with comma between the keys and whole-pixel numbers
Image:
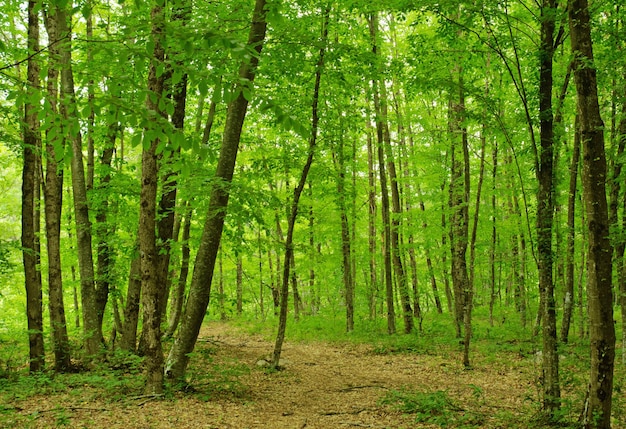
[{"x": 136, "y": 140}]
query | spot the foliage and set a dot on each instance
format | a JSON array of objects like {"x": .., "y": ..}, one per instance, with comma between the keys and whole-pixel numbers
[{"x": 432, "y": 407}]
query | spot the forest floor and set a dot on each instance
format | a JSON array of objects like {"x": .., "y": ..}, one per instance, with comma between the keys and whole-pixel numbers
[{"x": 323, "y": 385}]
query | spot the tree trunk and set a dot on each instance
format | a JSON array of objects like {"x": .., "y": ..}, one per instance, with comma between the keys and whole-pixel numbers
[
  {"x": 284, "y": 298},
  {"x": 371, "y": 225},
  {"x": 494, "y": 233},
  {"x": 568, "y": 301},
  {"x": 133, "y": 298},
  {"x": 103, "y": 230},
  {"x": 32, "y": 143},
  {"x": 167, "y": 202},
  {"x": 348, "y": 283},
  {"x": 179, "y": 293},
  {"x": 458, "y": 202},
  {"x": 53, "y": 195},
  {"x": 545, "y": 213},
  {"x": 149, "y": 256},
  {"x": 91, "y": 328},
  {"x": 387, "y": 258},
  {"x": 200, "y": 289},
  {"x": 599, "y": 284}
]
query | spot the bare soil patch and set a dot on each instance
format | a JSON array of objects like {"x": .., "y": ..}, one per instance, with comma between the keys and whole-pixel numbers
[{"x": 322, "y": 386}]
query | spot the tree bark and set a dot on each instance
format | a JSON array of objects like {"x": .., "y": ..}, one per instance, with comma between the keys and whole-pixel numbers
[
  {"x": 53, "y": 195},
  {"x": 458, "y": 201},
  {"x": 384, "y": 191},
  {"x": 545, "y": 213},
  {"x": 346, "y": 248},
  {"x": 568, "y": 302},
  {"x": 32, "y": 143},
  {"x": 148, "y": 252},
  {"x": 200, "y": 289},
  {"x": 599, "y": 284},
  {"x": 179, "y": 293},
  {"x": 91, "y": 328},
  {"x": 284, "y": 298}
]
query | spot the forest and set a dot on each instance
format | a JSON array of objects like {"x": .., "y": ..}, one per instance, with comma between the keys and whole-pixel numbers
[{"x": 411, "y": 178}]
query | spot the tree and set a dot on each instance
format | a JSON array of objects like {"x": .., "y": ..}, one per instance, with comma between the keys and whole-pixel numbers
[
  {"x": 32, "y": 144},
  {"x": 53, "y": 197},
  {"x": 297, "y": 192},
  {"x": 147, "y": 215},
  {"x": 200, "y": 288},
  {"x": 545, "y": 210},
  {"x": 600, "y": 266},
  {"x": 69, "y": 111}
]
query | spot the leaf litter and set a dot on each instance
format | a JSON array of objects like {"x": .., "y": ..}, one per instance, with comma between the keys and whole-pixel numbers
[{"x": 322, "y": 385}]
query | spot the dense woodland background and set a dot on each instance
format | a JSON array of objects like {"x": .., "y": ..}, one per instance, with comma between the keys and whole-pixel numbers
[{"x": 397, "y": 159}]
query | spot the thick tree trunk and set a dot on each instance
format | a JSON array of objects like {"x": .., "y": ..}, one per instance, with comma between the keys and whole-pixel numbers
[
  {"x": 32, "y": 143},
  {"x": 599, "y": 284},
  {"x": 148, "y": 253},
  {"x": 200, "y": 289},
  {"x": 545, "y": 213}
]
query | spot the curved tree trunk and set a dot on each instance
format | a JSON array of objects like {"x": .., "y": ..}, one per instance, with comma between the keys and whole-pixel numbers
[
  {"x": 284, "y": 298},
  {"x": 200, "y": 289}
]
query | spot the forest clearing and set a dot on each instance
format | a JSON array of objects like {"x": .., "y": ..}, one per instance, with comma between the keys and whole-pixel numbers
[{"x": 340, "y": 384}]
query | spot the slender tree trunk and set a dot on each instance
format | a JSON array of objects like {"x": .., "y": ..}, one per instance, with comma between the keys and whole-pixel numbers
[
  {"x": 133, "y": 298},
  {"x": 429, "y": 261},
  {"x": 179, "y": 294},
  {"x": 401, "y": 278},
  {"x": 200, "y": 289},
  {"x": 599, "y": 284},
  {"x": 348, "y": 282},
  {"x": 545, "y": 213},
  {"x": 391, "y": 314},
  {"x": 568, "y": 301},
  {"x": 32, "y": 143},
  {"x": 494, "y": 232},
  {"x": 167, "y": 202},
  {"x": 284, "y": 298},
  {"x": 103, "y": 230},
  {"x": 239, "y": 284},
  {"x": 458, "y": 201},
  {"x": 91, "y": 328},
  {"x": 53, "y": 195},
  {"x": 371, "y": 225}
]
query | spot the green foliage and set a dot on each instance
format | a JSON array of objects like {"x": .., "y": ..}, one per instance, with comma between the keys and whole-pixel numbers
[{"x": 432, "y": 407}]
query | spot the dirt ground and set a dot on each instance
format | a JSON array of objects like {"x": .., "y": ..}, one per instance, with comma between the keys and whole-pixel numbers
[{"x": 322, "y": 386}]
